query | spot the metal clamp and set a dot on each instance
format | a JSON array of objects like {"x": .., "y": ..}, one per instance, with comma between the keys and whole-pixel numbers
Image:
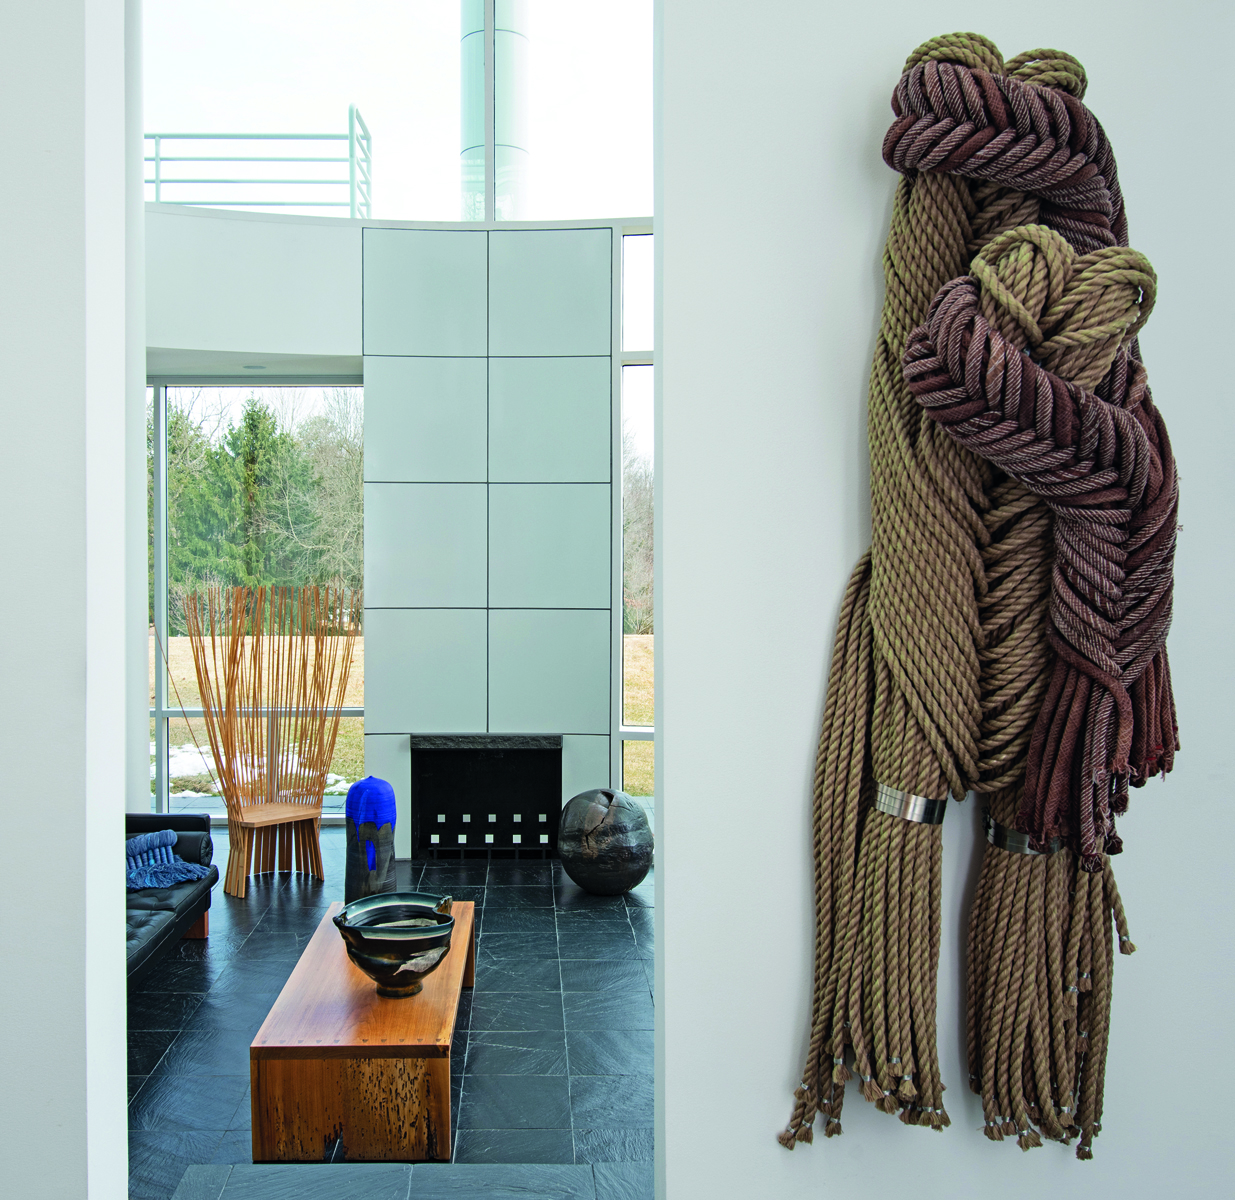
[
  {"x": 909, "y": 807},
  {"x": 1012, "y": 840}
]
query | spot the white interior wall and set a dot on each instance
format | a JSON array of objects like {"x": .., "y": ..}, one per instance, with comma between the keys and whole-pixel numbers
[
  {"x": 137, "y": 614},
  {"x": 773, "y": 208},
  {"x": 224, "y": 281},
  {"x": 62, "y": 654}
]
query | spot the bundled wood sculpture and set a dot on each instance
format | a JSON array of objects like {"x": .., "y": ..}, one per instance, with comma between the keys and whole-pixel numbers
[{"x": 272, "y": 667}]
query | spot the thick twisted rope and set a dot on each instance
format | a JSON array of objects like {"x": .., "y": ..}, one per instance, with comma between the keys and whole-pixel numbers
[
  {"x": 941, "y": 660},
  {"x": 1103, "y": 465}
]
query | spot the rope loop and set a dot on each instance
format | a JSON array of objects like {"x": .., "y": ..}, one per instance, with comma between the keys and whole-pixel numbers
[
  {"x": 1050, "y": 69},
  {"x": 968, "y": 49}
]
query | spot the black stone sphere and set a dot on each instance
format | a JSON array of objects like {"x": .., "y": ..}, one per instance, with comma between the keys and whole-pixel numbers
[{"x": 605, "y": 842}]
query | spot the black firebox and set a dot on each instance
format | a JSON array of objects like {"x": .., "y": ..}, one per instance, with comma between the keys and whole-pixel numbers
[{"x": 486, "y": 795}]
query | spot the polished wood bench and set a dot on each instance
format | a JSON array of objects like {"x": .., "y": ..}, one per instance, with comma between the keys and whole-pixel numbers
[{"x": 334, "y": 1061}]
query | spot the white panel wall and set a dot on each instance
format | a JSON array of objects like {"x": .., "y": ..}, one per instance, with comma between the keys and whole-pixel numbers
[
  {"x": 773, "y": 208},
  {"x": 425, "y": 292},
  {"x": 585, "y": 764},
  {"x": 489, "y": 501},
  {"x": 389, "y": 757},
  {"x": 428, "y": 542},
  {"x": 549, "y": 293},
  {"x": 241, "y": 281},
  {"x": 425, "y": 670},
  {"x": 549, "y": 419},
  {"x": 425, "y": 420}
]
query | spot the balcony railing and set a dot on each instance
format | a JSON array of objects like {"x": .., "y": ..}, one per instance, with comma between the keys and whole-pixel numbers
[{"x": 358, "y": 179}]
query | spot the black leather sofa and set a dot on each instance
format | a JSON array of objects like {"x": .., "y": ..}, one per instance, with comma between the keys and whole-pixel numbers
[{"x": 159, "y": 917}]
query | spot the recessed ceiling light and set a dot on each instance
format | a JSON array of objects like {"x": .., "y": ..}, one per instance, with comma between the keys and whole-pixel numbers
[{"x": 254, "y": 367}]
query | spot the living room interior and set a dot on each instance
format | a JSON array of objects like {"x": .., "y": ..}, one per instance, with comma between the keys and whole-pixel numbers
[
  {"x": 453, "y": 420},
  {"x": 767, "y": 206}
]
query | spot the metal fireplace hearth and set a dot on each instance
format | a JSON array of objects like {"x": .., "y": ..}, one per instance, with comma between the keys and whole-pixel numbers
[{"x": 486, "y": 795}]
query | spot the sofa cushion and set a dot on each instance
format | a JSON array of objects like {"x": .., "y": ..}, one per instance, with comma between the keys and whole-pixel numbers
[
  {"x": 143, "y": 927},
  {"x": 172, "y": 899},
  {"x": 195, "y": 846}
]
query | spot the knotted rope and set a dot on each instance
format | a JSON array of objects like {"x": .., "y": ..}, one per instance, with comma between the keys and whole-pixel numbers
[
  {"x": 942, "y": 661},
  {"x": 1102, "y": 463}
]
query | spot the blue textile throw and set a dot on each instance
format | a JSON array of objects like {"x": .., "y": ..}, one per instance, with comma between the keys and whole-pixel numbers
[
  {"x": 151, "y": 863},
  {"x": 371, "y": 800}
]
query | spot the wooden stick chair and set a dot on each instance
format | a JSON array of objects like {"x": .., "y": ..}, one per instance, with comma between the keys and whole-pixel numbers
[
  {"x": 263, "y": 835},
  {"x": 272, "y": 668}
]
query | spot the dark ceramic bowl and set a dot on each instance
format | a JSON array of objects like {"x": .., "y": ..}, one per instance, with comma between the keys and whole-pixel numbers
[{"x": 397, "y": 938}]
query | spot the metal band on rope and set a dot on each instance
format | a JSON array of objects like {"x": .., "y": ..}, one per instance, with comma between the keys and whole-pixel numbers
[
  {"x": 1012, "y": 840},
  {"x": 909, "y": 807}
]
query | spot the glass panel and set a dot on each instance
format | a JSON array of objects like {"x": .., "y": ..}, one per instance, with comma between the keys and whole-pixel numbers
[
  {"x": 265, "y": 486},
  {"x": 638, "y": 768},
  {"x": 510, "y": 109},
  {"x": 588, "y": 97},
  {"x": 637, "y": 292},
  {"x": 151, "y": 652},
  {"x": 267, "y": 66},
  {"x": 638, "y": 477},
  {"x": 472, "y": 109},
  {"x": 150, "y": 521},
  {"x": 153, "y": 798},
  {"x": 191, "y": 777},
  {"x": 347, "y": 762}
]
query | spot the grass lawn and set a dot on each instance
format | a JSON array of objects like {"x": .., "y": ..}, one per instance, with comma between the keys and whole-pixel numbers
[{"x": 638, "y": 708}]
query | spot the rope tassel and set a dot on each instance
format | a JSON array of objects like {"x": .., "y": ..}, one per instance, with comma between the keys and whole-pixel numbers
[{"x": 1038, "y": 925}]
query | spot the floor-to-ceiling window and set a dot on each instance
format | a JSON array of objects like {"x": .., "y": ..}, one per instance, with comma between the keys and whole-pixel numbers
[
  {"x": 434, "y": 110},
  {"x": 638, "y": 459},
  {"x": 246, "y": 486}
]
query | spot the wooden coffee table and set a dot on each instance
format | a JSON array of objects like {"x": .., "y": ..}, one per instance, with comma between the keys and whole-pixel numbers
[{"x": 334, "y": 1060}]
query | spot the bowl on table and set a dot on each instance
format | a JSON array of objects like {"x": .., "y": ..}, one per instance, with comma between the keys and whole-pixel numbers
[{"x": 397, "y": 938}]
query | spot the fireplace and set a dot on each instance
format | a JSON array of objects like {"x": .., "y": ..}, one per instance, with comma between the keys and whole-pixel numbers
[{"x": 486, "y": 795}]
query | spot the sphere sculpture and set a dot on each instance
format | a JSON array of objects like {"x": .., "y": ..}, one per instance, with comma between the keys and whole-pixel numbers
[
  {"x": 370, "y": 867},
  {"x": 605, "y": 842}
]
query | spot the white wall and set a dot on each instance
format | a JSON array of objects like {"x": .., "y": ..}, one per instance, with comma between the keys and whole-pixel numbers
[
  {"x": 225, "y": 281},
  {"x": 773, "y": 209},
  {"x": 137, "y": 613},
  {"x": 62, "y": 651}
]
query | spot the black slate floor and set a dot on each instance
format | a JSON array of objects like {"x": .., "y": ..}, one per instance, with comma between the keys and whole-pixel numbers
[{"x": 552, "y": 1061}]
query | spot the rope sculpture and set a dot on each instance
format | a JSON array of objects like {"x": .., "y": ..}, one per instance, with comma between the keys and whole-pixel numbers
[{"x": 1005, "y": 633}]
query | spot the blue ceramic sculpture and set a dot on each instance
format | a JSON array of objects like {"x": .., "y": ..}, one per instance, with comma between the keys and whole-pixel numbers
[{"x": 370, "y": 839}]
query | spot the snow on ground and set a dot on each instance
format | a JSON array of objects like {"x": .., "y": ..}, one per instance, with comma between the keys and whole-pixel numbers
[{"x": 189, "y": 760}]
